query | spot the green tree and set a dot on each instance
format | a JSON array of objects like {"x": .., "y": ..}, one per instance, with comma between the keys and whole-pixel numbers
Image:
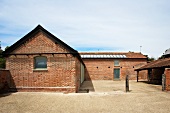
[
  {"x": 161, "y": 57},
  {"x": 7, "y": 47},
  {"x": 151, "y": 59},
  {"x": 2, "y": 60}
]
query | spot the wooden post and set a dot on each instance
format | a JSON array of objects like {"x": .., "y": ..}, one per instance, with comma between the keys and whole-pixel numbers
[
  {"x": 137, "y": 76},
  {"x": 149, "y": 75},
  {"x": 127, "y": 83},
  {"x": 163, "y": 82}
]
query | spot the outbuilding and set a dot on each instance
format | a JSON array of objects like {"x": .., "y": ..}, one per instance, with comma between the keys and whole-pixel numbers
[
  {"x": 157, "y": 70},
  {"x": 113, "y": 65},
  {"x": 41, "y": 62}
]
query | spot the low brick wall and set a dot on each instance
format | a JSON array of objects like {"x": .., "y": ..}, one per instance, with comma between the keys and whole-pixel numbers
[
  {"x": 4, "y": 81},
  {"x": 44, "y": 89},
  {"x": 167, "y": 73}
]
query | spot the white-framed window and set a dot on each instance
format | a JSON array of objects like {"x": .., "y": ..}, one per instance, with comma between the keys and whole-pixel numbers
[
  {"x": 40, "y": 62},
  {"x": 116, "y": 62}
]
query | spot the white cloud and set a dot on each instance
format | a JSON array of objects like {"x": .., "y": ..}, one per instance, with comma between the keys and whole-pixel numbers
[{"x": 121, "y": 24}]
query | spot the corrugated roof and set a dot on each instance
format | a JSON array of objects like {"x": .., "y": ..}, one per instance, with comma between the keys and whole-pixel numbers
[
  {"x": 111, "y": 55},
  {"x": 156, "y": 64},
  {"x": 103, "y": 56}
]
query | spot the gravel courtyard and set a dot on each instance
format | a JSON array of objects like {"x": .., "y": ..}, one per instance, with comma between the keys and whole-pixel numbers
[{"x": 103, "y": 97}]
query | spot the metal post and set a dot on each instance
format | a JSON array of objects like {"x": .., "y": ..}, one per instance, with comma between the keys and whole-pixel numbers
[
  {"x": 140, "y": 48},
  {"x": 163, "y": 82},
  {"x": 127, "y": 83}
]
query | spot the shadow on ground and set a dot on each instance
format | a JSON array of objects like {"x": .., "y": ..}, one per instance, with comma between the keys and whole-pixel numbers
[
  {"x": 154, "y": 83},
  {"x": 87, "y": 85},
  {"x": 4, "y": 94}
]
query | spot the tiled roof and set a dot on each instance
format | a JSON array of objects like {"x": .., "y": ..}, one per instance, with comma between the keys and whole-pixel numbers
[
  {"x": 111, "y": 55},
  {"x": 156, "y": 64}
]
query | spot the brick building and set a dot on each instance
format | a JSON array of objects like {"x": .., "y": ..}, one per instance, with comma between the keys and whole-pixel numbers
[
  {"x": 113, "y": 66},
  {"x": 157, "y": 68},
  {"x": 41, "y": 62}
]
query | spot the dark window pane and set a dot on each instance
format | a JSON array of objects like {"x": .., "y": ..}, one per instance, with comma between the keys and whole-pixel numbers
[{"x": 40, "y": 62}]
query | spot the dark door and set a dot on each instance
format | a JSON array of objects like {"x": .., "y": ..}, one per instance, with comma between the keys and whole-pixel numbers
[{"x": 116, "y": 73}]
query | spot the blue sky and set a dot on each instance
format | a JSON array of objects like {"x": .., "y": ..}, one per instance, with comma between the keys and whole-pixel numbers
[{"x": 91, "y": 25}]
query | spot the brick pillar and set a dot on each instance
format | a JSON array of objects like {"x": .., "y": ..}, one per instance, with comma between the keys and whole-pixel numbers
[{"x": 167, "y": 73}]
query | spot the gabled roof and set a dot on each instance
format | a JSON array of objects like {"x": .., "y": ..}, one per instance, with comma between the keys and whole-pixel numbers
[
  {"x": 36, "y": 30},
  {"x": 39, "y": 28},
  {"x": 112, "y": 55},
  {"x": 161, "y": 63}
]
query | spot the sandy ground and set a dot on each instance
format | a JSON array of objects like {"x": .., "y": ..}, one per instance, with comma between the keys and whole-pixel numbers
[{"x": 104, "y": 97}]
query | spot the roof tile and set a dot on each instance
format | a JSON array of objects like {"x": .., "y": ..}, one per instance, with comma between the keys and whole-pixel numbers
[{"x": 156, "y": 64}]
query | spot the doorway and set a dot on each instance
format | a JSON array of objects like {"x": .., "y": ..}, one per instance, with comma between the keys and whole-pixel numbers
[{"x": 116, "y": 74}]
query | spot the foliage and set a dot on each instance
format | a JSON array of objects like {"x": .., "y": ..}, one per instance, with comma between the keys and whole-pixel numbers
[
  {"x": 151, "y": 59},
  {"x": 7, "y": 47},
  {"x": 2, "y": 60},
  {"x": 162, "y": 57}
]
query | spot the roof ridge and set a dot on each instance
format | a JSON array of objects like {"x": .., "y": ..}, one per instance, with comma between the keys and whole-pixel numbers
[{"x": 37, "y": 29}]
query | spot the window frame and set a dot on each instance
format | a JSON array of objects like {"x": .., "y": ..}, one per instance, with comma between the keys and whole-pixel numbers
[
  {"x": 116, "y": 63},
  {"x": 40, "y": 68}
]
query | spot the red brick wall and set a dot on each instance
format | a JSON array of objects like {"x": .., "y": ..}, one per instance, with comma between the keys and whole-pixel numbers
[
  {"x": 39, "y": 43},
  {"x": 78, "y": 74},
  {"x": 103, "y": 69},
  {"x": 61, "y": 68},
  {"x": 128, "y": 66},
  {"x": 167, "y": 73},
  {"x": 142, "y": 75},
  {"x": 4, "y": 81},
  {"x": 98, "y": 69}
]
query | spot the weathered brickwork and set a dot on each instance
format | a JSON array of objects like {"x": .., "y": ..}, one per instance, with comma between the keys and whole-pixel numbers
[
  {"x": 78, "y": 74},
  {"x": 167, "y": 73},
  {"x": 127, "y": 68},
  {"x": 97, "y": 69},
  {"x": 103, "y": 69},
  {"x": 4, "y": 80},
  {"x": 39, "y": 43},
  {"x": 61, "y": 68}
]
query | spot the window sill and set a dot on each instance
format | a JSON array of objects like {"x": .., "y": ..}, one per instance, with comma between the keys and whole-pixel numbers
[
  {"x": 40, "y": 69},
  {"x": 116, "y": 79}
]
